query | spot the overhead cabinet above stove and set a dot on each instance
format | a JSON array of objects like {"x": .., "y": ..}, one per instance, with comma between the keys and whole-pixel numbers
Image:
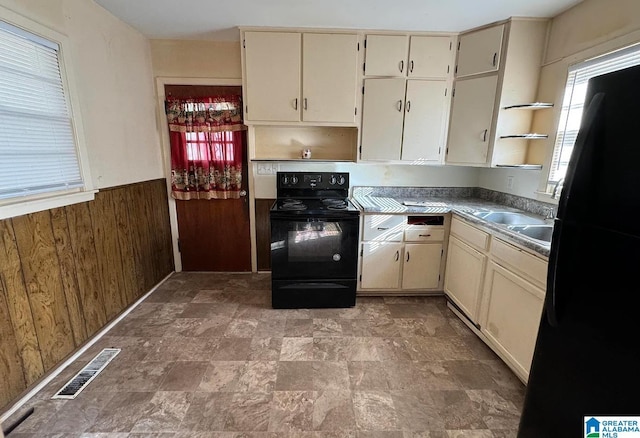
[{"x": 300, "y": 77}]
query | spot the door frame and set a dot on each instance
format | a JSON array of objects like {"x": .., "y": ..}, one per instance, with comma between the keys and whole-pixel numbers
[{"x": 163, "y": 127}]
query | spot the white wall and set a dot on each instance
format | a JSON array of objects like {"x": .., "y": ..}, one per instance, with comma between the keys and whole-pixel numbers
[
  {"x": 112, "y": 68},
  {"x": 365, "y": 174}
]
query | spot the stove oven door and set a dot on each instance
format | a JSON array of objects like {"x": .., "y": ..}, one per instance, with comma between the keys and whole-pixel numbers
[{"x": 315, "y": 248}]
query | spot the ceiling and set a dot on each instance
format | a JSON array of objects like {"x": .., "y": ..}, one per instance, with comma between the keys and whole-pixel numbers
[{"x": 217, "y": 19}]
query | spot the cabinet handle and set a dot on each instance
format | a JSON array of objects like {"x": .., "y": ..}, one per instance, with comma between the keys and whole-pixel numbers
[
  {"x": 484, "y": 135},
  {"x": 382, "y": 228},
  {"x": 424, "y": 235},
  {"x": 495, "y": 58},
  {"x": 408, "y": 105},
  {"x": 407, "y": 255},
  {"x": 305, "y": 103},
  {"x": 400, "y": 105},
  {"x": 295, "y": 104},
  {"x": 411, "y": 66},
  {"x": 401, "y": 66},
  {"x": 397, "y": 255}
]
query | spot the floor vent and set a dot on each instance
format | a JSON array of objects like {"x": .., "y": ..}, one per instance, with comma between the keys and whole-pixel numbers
[{"x": 74, "y": 386}]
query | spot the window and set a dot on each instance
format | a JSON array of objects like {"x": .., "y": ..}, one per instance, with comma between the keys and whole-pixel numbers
[
  {"x": 573, "y": 104},
  {"x": 38, "y": 151}
]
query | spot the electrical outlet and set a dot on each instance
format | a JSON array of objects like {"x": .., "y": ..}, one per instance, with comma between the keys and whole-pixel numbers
[
  {"x": 510, "y": 182},
  {"x": 265, "y": 169}
]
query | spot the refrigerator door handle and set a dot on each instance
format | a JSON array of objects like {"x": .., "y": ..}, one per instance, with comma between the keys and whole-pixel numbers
[
  {"x": 580, "y": 149},
  {"x": 550, "y": 305}
]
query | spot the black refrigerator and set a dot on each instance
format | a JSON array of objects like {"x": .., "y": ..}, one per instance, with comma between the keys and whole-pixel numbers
[{"x": 587, "y": 356}]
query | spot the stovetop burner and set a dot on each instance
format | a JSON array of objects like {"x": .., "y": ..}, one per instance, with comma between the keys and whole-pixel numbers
[
  {"x": 335, "y": 204},
  {"x": 293, "y": 205}
]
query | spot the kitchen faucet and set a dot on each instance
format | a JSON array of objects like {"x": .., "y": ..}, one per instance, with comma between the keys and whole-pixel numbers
[{"x": 555, "y": 188}]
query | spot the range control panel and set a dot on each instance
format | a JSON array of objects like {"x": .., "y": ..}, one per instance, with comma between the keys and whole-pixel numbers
[{"x": 317, "y": 180}]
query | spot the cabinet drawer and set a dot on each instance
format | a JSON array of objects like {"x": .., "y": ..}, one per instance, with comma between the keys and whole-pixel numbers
[
  {"x": 417, "y": 233},
  {"x": 528, "y": 265},
  {"x": 470, "y": 234},
  {"x": 386, "y": 227}
]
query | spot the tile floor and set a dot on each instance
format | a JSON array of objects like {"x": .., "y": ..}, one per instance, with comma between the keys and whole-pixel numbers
[{"x": 206, "y": 356}]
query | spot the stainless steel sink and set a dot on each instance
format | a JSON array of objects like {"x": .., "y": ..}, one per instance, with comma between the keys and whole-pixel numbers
[
  {"x": 509, "y": 218},
  {"x": 538, "y": 232}
]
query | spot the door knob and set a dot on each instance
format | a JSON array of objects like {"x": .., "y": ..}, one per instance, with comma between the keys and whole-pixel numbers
[{"x": 243, "y": 193}]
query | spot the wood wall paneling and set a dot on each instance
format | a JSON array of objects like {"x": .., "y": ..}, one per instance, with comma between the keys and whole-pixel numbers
[
  {"x": 64, "y": 273},
  {"x": 105, "y": 233},
  {"x": 43, "y": 279},
  {"x": 263, "y": 233},
  {"x": 18, "y": 304},
  {"x": 69, "y": 274},
  {"x": 11, "y": 371},
  {"x": 87, "y": 270}
]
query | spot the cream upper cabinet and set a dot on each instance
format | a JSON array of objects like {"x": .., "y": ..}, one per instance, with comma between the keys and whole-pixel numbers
[
  {"x": 471, "y": 124},
  {"x": 424, "y": 131},
  {"x": 497, "y": 70},
  {"x": 404, "y": 124},
  {"x": 300, "y": 77},
  {"x": 479, "y": 51},
  {"x": 386, "y": 55},
  {"x": 382, "y": 118},
  {"x": 272, "y": 76},
  {"x": 430, "y": 56},
  {"x": 421, "y": 267},
  {"x": 329, "y": 72},
  {"x": 512, "y": 308}
]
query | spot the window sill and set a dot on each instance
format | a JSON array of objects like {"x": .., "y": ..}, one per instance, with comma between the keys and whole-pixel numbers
[{"x": 19, "y": 208}]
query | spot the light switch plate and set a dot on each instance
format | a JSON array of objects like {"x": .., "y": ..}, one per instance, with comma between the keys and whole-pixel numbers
[{"x": 265, "y": 168}]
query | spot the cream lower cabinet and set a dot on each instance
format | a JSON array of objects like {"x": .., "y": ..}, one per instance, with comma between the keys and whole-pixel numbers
[
  {"x": 401, "y": 257},
  {"x": 421, "y": 266},
  {"x": 381, "y": 262},
  {"x": 512, "y": 308},
  {"x": 463, "y": 277}
]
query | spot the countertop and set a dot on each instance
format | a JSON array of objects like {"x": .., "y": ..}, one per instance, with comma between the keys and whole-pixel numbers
[{"x": 448, "y": 201}]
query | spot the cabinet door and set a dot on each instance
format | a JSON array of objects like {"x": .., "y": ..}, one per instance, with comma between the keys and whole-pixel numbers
[
  {"x": 381, "y": 265},
  {"x": 424, "y": 120},
  {"x": 471, "y": 118},
  {"x": 430, "y": 57},
  {"x": 463, "y": 277},
  {"x": 329, "y": 71},
  {"x": 272, "y": 69},
  {"x": 512, "y": 309},
  {"x": 386, "y": 55},
  {"x": 479, "y": 51},
  {"x": 382, "y": 117},
  {"x": 421, "y": 268}
]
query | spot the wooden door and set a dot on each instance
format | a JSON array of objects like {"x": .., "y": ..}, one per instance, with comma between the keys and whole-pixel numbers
[
  {"x": 430, "y": 57},
  {"x": 424, "y": 121},
  {"x": 471, "y": 119},
  {"x": 382, "y": 119},
  {"x": 329, "y": 73},
  {"x": 214, "y": 235},
  {"x": 386, "y": 55},
  {"x": 272, "y": 64}
]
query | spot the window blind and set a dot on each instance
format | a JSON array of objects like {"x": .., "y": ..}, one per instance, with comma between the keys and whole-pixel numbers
[
  {"x": 37, "y": 145},
  {"x": 573, "y": 102}
]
